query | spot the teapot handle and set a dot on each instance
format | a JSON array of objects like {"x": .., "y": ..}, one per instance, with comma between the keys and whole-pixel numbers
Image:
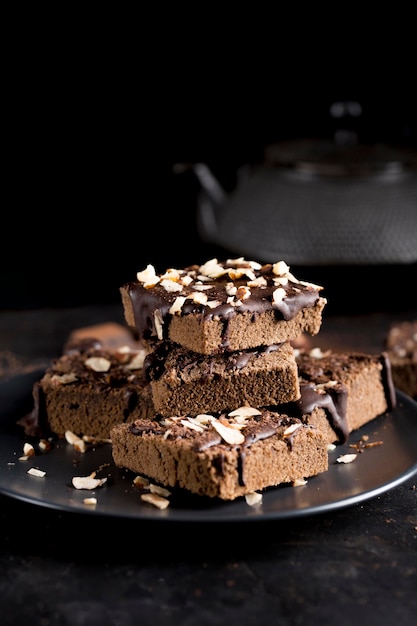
[{"x": 211, "y": 199}]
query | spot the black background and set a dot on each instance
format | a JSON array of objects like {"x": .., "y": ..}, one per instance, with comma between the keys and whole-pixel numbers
[{"x": 91, "y": 196}]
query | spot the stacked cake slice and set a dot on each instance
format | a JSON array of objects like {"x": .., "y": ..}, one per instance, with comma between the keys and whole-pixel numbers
[{"x": 218, "y": 338}]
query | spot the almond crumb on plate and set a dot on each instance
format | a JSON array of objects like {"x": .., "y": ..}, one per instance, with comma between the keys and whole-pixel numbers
[
  {"x": 87, "y": 482},
  {"x": 298, "y": 482},
  {"x": 33, "y": 471},
  {"x": 153, "y": 498},
  {"x": 346, "y": 458},
  {"x": 253, "y": 498},
  {"x": 90, "y": 501}
]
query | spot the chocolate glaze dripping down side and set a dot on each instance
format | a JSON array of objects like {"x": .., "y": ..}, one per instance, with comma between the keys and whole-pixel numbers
[
  {"x": 387, "y": 381},
  {"x": 334, "y": 402}
]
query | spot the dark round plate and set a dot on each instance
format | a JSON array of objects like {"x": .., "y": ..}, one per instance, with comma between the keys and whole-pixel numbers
[{"x": 375, "y": 470}]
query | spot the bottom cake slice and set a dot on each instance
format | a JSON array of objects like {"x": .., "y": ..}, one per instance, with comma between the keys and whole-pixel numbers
[{"x": 223, "y": 457}]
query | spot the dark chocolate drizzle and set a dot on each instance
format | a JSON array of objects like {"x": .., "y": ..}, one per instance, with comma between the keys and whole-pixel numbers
[
  {"x": 333, "y": 401},
  {"x": 185, "y": 360}
]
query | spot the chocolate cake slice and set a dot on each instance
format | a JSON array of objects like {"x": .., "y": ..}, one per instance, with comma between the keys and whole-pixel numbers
[
  {"x": 188, "y": 383},
  {"x": 88, "y": 390},
  {"x": 224, "y": 456},
  {"x": 222, "y": 306},
  {"x": 353, "y": 388}
]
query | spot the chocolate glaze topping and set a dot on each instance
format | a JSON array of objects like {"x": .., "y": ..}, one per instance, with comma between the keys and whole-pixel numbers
[{"x": 185, "y": 360}]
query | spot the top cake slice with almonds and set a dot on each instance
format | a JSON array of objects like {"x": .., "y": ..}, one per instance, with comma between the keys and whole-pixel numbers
[{"x": 222, "y": 306}]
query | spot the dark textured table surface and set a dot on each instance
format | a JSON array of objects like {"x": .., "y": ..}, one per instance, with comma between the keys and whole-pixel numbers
[{"x": 357, "y": 564}]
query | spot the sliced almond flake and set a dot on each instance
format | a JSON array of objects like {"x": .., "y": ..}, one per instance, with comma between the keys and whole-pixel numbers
[
  {"x": 346, "y": 458},
  {"x": 153, "y": 498},
  {"x": 244, "y": 411},
  {"x": 199, "y": 421},
  {"x": 292, "y": 278},
  {"x": 92, "y": 439},
  {"x": 170, "y": 285},
  {"x": 204, "y": 279},
  {"x": 177, "y": 305},
  {"x": 88, "y": 482},
  {"x": 230, "y": 289},
  {"x": 24, "y": 457},
  {"x": 204, "y": 419},
  {"x": 148, "y": 277},
  {"x": 90, "y": 501},
  {"x": 230, "y": 435},
  {"x": 201, "y": 287},
  {"x": 160, "y": 491},
  {"x": 212, "y": 269},
  {"x": 260, "y": 281},
  {"x": 98, "y": 364},
  {"x": 241, "y": 420},
  {"x": 291, "y": 429},
  {"x": 169, "y": 421},
  {"x": 64, "y": 379},
  {"x": 28, "y": 450},
  {"x": 186, "y": 280},
  {"x": 33, "y": 471},
  {"x": 141, "y": 481},
  {"x": 171, "y": 274},
  {"x": 280, "y": 268},
  {"x": 298, "y": 482},
  {"x": 239, "y": 272},
  {"x": 74, "y": 440},
  {"x": 194, "y": 426},
  {"x": 198, "y": 296},
  {"x": 331, "y": 446},
  {"x": 243, "y": 293},
  {"x": 212, "y": 304},
  {"x": 236, "y": 262},
  {"x": 280, "y": 280},
  {"x": 253, "y": 498},
  {"x": 312, "y": 285},
  {"x": 330, "y": 383},
  {"x": 278, "y": 295},
  {"x": 137, "y": 362},
  {"x": 71, "y": 437},
  {"x": 159, "y": 324}
]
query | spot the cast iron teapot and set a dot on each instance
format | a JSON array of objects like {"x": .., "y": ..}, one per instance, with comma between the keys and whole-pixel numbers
[{"x": 316, "y": 202}]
